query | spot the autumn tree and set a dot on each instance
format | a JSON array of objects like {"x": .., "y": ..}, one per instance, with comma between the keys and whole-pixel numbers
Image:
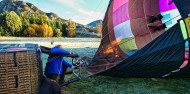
[
  {"x": 32, "y": 30},
  {"x": 50, "y": 32},
  {"x": 45, "y": 31},
  {"x": 35, "y": 30}
]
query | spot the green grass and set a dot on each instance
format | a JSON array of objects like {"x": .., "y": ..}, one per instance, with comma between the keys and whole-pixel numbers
[{"x": 111, "y": 85}]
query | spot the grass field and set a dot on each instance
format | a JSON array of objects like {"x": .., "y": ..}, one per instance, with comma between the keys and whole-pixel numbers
[
  {"x": 111, "y": 85},
  {"x": 104, "y": 84}
]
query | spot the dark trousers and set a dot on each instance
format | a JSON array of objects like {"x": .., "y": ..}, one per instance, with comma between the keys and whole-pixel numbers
[
  {"x": 55, "y": 76},
  {"x": 62, "y": 76},
  {"x": 48, "y": 86}
]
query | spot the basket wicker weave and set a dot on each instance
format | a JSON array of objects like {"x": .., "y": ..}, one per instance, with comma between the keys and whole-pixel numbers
[{"x": 19, "y": 72}]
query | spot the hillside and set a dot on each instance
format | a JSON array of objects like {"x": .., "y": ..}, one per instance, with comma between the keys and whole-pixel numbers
[
  {"x": 95, "y": 23},
  {"x": 21, "y": 7},
  {"x": 28, "y": 8}
]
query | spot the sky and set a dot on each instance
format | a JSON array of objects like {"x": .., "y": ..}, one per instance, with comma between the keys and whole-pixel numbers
[{"x": 80, "y": 11}]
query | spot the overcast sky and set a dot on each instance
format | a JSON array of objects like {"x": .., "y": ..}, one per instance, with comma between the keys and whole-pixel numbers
[{"x": 81, "y": 11}]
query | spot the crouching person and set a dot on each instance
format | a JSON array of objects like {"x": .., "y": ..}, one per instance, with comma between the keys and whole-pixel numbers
[{"x": 56, "y": 66}]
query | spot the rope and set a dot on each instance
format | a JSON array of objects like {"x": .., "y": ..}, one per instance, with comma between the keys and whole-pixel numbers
[{"x": 147, "y": 22}]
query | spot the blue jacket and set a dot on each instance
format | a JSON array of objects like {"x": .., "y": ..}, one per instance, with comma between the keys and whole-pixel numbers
[{"x": 55, "y": 64}]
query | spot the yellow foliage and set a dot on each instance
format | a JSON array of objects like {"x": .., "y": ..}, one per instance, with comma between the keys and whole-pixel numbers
[
  {"x": 35, "y": 30},
  {"x": 50, "y": 31},
  {"x": 46, "y": 31},
  {"x": 31, "y": 31}
]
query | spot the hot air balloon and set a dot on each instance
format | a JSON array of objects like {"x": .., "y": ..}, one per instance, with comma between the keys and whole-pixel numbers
[{"x": 144, "y": 38}]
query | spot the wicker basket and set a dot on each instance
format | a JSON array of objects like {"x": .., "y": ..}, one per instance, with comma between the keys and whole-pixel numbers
[{"x": 19, "y": 72}]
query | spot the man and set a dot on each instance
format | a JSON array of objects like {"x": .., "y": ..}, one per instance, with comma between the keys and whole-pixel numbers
[{"x": 56, "y": 65}]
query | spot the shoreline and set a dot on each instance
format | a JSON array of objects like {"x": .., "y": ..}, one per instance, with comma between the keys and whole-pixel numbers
[{"x": 67, "y": 42}]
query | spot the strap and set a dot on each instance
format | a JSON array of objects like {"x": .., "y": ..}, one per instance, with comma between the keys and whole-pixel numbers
[
  {"x": 16, "y": 81},
  {"x": 14, "y": 57}
]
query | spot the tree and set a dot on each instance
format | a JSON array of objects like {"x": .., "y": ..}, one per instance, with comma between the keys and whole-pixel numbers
[
  {"x": 4, "y": 30},
  {"x": 64, "y": 29},
  {"x": 32, "y": 30},
  {"x": 25, "y": 19},
  {"x": 2, "y": 18},
  {"x": 42, "y": 19},
  {"x": 35, "y": 30},
  {"x": 13, "y": 22},
  {"x": 39, "y": 19},
  {"x": 98, "y": 29},
  {"x": 53, "y": 25},
  {"x": 45, "y": 31},
  {"x": 33, "y": 19},
  {"x": 70, "y": 28},
  {"x": 57, "y": 33},
  {"x": 1, "y": 30},
  {"x": 25, "y": 22},
  {"x": 59, "y": 24},
  {"x": 50, "y": 31}
]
